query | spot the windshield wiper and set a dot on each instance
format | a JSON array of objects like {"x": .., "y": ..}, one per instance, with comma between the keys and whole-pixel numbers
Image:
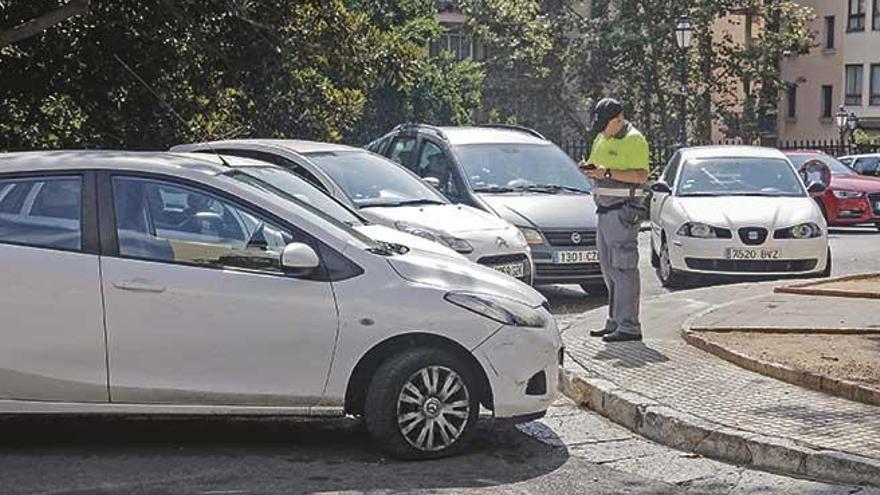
[
  {"x": 700, "y": 195},
  {"x": 494, "y": 189},
  {"x": 554, "y": 187},
  {"x": 393, "y": 204}
]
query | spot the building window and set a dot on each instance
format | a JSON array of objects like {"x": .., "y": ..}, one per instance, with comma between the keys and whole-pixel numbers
[
  {"x": 791, "y": 97},
  {"x": 876, "y": 23},
  {"x": 853, "y": 85},
  {"x": 829, "y": 32},
  {"x": 856, "y": 15},
  {"x": 875, "y": 85},
  {"x": 460, "y": 45},
  {"x": 827, "y": 101}
]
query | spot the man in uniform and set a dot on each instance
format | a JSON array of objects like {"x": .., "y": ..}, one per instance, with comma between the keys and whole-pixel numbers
[{"x": 618, "y": 165}]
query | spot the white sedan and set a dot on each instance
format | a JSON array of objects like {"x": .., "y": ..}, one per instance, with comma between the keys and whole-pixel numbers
[{"x": 735, "y": 210}]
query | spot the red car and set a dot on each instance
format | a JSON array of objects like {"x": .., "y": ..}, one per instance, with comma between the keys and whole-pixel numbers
[{"x": 851, "y": 199}]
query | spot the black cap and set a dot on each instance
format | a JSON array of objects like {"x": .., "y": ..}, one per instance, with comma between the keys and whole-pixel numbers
[{"x": 605, "y": 110}]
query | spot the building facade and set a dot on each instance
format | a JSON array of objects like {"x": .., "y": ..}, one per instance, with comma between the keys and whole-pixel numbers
[{"x": 842, "y": 69}]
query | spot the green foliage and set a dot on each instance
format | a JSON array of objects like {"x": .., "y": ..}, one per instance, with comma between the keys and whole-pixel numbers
[{"x": 313, "y": 69}]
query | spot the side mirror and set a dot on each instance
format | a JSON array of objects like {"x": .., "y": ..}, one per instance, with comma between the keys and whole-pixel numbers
[
  {"x": 816, "y": 188},
  {"x": 298, "y": 257},
  {"x": 432, "y": 181},
  {"x": 661, "y": 187}
]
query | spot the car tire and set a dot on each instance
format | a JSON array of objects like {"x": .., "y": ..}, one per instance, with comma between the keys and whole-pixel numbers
[
  {"x": 405, "y": 400},
  {"x": 655, "y": 258},
  {"x": 827, "y": 271},
  {"x": 595, "y": 288},
  {"x": 669, "y": 277}
]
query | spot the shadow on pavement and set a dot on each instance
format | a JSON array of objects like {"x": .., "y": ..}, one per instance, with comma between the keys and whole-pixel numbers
[
  {"x": 570, "y": 299},
  {"x": 630, "y": 354},
  {"x": 255, "y": 455}
]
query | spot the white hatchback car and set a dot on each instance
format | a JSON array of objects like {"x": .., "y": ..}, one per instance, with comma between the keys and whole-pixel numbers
[
  {"x": 388, "y": 194},
  {"x": 735, "y": 210},
  {"x": 163, "y": 284}
]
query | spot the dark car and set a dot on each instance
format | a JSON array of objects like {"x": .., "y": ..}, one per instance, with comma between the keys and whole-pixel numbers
[{"x": 518, "y": 175}]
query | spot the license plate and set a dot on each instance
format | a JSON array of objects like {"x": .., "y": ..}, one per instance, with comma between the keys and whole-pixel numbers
[
  {"x": 514, "y": 270},
  {"x": 752, "y": 254},
  {"x": 575, "y": 257}
]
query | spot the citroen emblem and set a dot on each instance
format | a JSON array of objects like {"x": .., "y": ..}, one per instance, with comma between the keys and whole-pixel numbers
[
  {"x": 576, "y": 237},
  {"x": 501, "y": 242}
]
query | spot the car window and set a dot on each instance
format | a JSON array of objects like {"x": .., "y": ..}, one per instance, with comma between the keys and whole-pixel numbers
[
  {"x": 739, "y": 177},
  {"x": 402, "y": 149},
  {"x": 42, "y": 212},
  {"x": 868, "y": 166},
  {"x": 280, "y": 161},
  {"x": 837, "y": 168},
  {"x": 377, "y": 145},
  {"x": 163, "y": 221},
  {"x": 434, "y": 162},
  {"x": 371, "y": 180},
  {"x": 671, "y": 171},
  {"x": 493, "y": 166}
]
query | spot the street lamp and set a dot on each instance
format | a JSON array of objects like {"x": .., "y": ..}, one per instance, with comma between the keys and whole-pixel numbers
[
  {"x": 684, "y": 30},
  {"x": 841, "y": 124}
]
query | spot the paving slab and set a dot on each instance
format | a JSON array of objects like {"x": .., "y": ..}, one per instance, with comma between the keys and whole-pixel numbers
[{"x": 690, "y": 399}]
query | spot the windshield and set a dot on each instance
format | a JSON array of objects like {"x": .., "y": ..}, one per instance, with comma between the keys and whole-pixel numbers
[
  {"x": 739, "y": 177},
  {"x": 837, "y": 169},
  {"x": 502, "y": 167},
  {"x": 284, "y": 185},
  {"x": 370, "y": 180}
]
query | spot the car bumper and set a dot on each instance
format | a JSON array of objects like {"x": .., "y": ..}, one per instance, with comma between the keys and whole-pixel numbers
[
  {"x": 547, "y": 272},
  {"x": 795, "y": 256},
  {"x": 522, "y": 365},
  {"x": 855, "y": 211}
]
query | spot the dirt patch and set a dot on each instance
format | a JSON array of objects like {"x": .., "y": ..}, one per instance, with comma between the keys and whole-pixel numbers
[
  {"x": 847, "y": 357},
  {"x": 855, "y": 286}
]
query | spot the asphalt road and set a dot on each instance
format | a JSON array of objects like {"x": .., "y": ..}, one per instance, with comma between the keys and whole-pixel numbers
[{"x": 570, "y": 451}]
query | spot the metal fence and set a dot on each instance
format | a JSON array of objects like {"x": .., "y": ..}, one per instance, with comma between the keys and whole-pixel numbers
[{"x": 662, "y": 151}]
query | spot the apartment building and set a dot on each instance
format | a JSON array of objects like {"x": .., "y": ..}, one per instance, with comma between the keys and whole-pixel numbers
[{"x": 843, "y": 69}]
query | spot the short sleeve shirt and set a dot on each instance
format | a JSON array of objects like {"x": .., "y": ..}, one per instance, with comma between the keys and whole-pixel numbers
[{"x": 628, "y": 151}]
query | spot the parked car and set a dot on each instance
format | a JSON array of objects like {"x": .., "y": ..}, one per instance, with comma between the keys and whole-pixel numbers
[
  {"x": 387, "y": 194},
  {"x": 850, "y": 199},
  {"x": 517, "y": 174},
  {"x": 178, "y": 284},
  {"x": 867, "y": 164},
  {"x": 735, "y": 210}
]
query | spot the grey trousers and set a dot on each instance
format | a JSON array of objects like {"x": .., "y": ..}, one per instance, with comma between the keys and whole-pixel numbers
[{"x": 617, "y": 239}]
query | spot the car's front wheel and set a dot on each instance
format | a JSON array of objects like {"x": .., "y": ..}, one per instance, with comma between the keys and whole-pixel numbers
[
  {"x": 422, "y": 404},
  {"x": 669, "y": 276}
]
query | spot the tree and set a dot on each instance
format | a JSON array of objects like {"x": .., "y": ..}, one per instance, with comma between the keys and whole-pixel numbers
[{"x": 43, "y": 22}]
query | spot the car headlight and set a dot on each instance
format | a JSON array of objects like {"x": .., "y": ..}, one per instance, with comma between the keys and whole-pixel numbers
[
  {"x": 803, "y": 231},
  {"x": 506, "y": 311},
  {"x": 531, "y": 236},
  {"x": 840, "y": 194},
  {"x": 454, "y": 243},
  {"x": 703, "y": 231}
]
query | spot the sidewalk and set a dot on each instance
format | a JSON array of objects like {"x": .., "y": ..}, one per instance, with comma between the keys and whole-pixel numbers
[{"x": 678, "y": 395}]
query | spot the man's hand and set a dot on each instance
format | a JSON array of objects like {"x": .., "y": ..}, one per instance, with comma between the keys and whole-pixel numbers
[{"x": 597, "y": 173}]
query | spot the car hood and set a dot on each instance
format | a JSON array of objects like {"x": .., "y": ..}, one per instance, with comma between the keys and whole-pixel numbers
[
  {"x": 863, "y": 183},
  {"x": 736, "y": 212},
  {"x": 450, "y": 274},
  {"x": 545, "y": 211},
  {"x": 386, "y": 234},
  {"x": 452, "y": 219}
]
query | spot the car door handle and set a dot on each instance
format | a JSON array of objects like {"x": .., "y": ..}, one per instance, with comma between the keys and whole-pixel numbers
[{"x": 138, "y": 286}]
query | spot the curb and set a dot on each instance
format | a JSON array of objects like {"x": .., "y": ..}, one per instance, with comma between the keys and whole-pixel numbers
[
  {"x": 807, "y": 379},
  {"x": 687, "y": 432},
  {"x": 812, "y": 288}
]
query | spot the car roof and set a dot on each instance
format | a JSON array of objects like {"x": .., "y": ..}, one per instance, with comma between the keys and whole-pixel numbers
[
  {"x": 145, "y": 161},
  {"x": 296, "y": 145},
  {"x": 862, "y": 155},
  {"x": 489, "y": 135},
  {"x": 698, "y": 152},
  {"x": 804, "y": 152}
]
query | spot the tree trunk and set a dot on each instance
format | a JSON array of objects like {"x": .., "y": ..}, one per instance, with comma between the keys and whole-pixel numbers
[{"x": 38, "y": 25}]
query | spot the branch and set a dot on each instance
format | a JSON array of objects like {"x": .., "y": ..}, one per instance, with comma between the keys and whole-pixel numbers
[{"x": 38, "y": 25}]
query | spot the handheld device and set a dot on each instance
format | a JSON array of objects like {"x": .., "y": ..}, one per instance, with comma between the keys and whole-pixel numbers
[{"x": 587, "y": 166}]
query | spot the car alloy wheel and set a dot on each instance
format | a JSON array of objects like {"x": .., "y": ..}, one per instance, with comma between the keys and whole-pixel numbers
[
  {"x": 433, "y": 408},
  {"x": 669, "y": 277}
]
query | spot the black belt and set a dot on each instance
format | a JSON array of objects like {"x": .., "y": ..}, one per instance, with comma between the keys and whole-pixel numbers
[{"x": 605, "y": 209}]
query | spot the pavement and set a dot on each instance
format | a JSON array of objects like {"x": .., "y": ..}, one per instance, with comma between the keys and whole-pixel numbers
[{"x": 676, "y": 394}]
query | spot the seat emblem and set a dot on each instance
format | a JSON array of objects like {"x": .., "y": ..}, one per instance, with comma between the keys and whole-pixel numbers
[
  {"x": 753, "y": 236},
  {"x": 576, "y": 237}
]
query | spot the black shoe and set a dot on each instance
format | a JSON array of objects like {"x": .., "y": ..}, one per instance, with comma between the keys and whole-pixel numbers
[
  {"x": 600, "y": 333},
  {"x": 622, "y": 337}
]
